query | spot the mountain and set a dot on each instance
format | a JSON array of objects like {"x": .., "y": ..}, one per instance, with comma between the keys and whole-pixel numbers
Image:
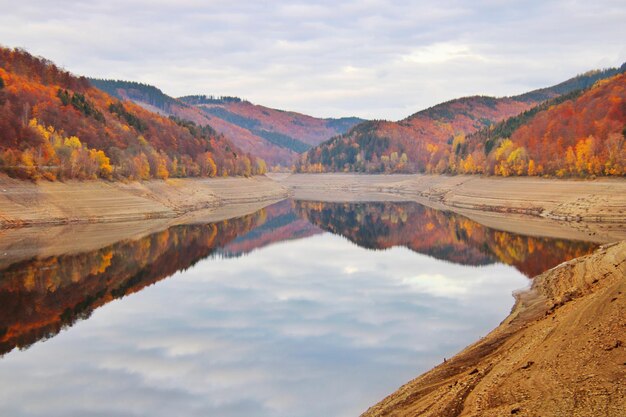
[
  {"x": 55, "y": 125},
  {"x": 275, "y": 135},
  {"x": 429, "y": 141}
]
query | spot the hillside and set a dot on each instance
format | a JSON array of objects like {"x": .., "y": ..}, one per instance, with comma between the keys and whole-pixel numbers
[
  {"x": 579, "y": 134},
  {"x": 428, "y": 141},
  {"x": 55, "y": 125},
  {"x": 275, "y": 135},
  {"x": 153, "y": 99}
]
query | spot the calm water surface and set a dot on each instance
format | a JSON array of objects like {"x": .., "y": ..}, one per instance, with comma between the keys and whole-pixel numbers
[{"x": 301, "y": 309}]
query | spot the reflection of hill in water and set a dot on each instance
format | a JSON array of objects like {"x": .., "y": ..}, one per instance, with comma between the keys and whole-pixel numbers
[
  {"x": 440, "y": 234},
  {"x": 385, "y": 225},
  {"x": 41, "y": 296}
]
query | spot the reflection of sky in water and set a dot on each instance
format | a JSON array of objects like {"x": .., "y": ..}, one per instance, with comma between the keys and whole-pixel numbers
[{"x": 315, "y": 327}]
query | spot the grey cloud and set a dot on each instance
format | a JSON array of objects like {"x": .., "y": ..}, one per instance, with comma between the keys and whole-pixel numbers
[{"x": 326, "y": 58}]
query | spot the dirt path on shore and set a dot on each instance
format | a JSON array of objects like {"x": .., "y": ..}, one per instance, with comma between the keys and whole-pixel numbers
[
  {"x": 592, "y": 210},
  {"x": 561, "y": 352}
]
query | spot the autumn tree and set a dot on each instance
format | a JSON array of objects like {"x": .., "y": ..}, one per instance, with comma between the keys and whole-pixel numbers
[{"x": 261, "y": 166}]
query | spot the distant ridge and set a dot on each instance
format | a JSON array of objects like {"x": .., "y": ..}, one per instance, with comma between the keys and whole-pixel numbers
[{"x": 277, "y": 136}]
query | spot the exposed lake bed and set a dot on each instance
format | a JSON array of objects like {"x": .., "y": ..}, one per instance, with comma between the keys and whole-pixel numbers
[
  {"x": 288, "y": 305},
  {"x": 268, "y": 311}
]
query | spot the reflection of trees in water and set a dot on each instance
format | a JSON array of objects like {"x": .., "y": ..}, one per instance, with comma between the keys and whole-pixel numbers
[
  {"x": 39, "y": 297},
  {"x": 440, "y": 234}
]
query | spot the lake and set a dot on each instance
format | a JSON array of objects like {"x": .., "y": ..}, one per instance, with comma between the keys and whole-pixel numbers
[{"x": 300, "y": 309}]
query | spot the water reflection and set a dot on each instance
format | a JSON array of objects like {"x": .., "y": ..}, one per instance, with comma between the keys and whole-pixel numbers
[
  {"x": 306, "y": 324},
  {"x": 40, "y": 296},
  {"x": 441, "y": 234}
]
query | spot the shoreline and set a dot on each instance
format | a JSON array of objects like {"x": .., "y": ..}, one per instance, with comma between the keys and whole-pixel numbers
[
  {"x": 593, "y": 210},
  {"x": 25, "y": 204},
  {"x": 96, "y": 212},
  {"x": 560, "y": 352},
  {"x": 474, "y": 382},
  {"x": 557, "y": 199},
  {"x": 43, "y": 241}
]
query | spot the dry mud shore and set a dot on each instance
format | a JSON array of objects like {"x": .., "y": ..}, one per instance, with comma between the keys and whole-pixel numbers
[
  {"x": 599, "y": 200},
  {"x": 50, "y": 219},
  {"x": 561, "y": 352}
]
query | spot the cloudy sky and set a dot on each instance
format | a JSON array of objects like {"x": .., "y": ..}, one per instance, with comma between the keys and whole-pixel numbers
[{"x": 369, "y": 58}]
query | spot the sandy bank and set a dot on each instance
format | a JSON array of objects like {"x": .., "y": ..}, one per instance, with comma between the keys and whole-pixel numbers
[
  {"x": 561, "y": 352},
  {"x": 575, "y": 209},
  {"x": 51, "y": 203}
]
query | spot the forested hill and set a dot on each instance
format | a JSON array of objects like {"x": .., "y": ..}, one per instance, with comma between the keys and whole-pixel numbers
[
  {"x": 432, "y": 140},
  {"x": 275, "y": 135},
  {"x": 577, "y": 134},
  {"x": 55, "y": 125}
]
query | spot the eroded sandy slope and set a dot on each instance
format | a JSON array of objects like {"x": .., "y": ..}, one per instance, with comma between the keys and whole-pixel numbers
[{"x": 561, "y": 352}]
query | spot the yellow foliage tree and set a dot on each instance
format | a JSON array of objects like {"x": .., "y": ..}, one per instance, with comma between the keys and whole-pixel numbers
[
  {"x": 104, "y": 163},
  {"x": 72, "y": 142},
  {"x": 517, "y": 161},
  {"x": 261, "y": 166}
]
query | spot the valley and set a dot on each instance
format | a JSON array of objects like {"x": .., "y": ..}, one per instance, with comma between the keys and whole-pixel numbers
[{"x": 301, "y": 251}]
